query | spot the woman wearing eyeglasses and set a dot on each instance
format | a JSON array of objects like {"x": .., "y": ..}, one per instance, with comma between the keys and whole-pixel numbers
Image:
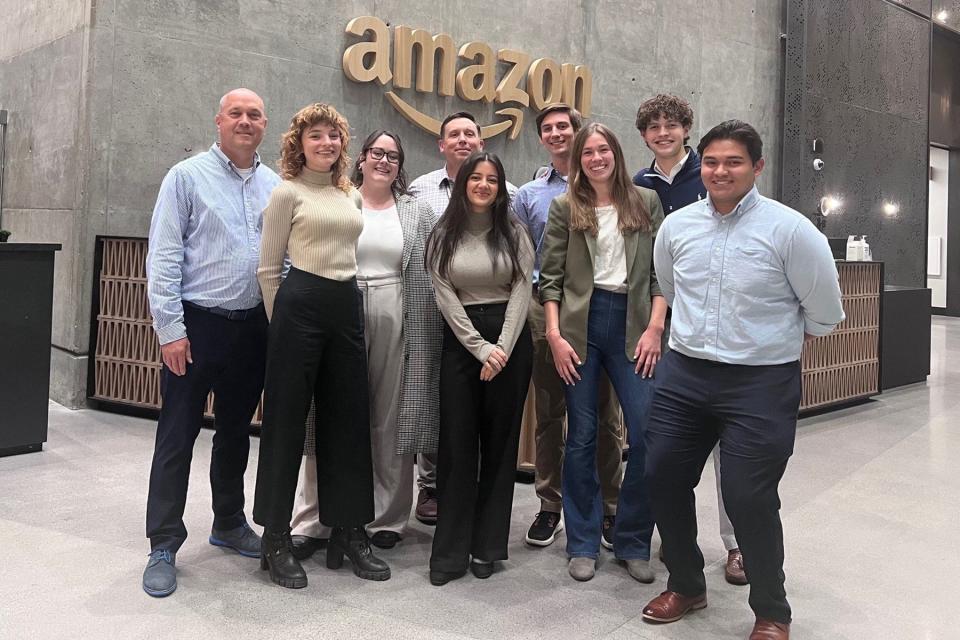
[{"x": 403, "y": 331}]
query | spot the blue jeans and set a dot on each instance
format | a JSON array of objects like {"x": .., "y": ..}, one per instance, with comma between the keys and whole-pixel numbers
[{"x": 582, "y": 503}]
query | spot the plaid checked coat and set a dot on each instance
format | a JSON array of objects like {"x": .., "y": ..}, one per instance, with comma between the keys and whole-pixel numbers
[{"x": 418, "y": 423}]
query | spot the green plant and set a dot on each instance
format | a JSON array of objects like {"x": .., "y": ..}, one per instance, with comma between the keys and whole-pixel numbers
[{"x": 4, "y": 234}]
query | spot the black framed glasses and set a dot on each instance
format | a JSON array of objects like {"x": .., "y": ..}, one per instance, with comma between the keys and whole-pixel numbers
[{"x": 377, "y": 154}]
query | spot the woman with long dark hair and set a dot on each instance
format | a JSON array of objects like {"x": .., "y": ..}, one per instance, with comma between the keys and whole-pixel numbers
[
  {"x": 315, "y": 350},
  {"x": 481, "y": 260},
  {"x": 604, "y": 311},
  {"x": 403, "y": 330}
]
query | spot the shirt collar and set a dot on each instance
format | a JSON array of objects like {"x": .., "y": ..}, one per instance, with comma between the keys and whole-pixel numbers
[
  {"x": 227, "y": 162},
  {"x": 676, "y": 168},
  {"x": 552, "y": 174},
  {"x": 746, "y": 203},
  {"x": 445, "y": 178}
]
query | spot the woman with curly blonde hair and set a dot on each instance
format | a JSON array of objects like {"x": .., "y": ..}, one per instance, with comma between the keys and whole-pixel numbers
[{"x": 315, "y": 350}]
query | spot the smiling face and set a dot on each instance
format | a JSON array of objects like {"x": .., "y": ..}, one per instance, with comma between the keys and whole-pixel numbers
[
  {"x": 664, "y": 136},
  {"x": 382, "y": 172},
  {"x": 483, "y": 183},
  {"x": 596, "y": 160},
  {"x": 728, "y": 173},
  {"x": 240, "y": 124},
  {"x": 556, "y": 134},
  {"x": 321, "y": 146},
  {"x": 460, "y": 138}
]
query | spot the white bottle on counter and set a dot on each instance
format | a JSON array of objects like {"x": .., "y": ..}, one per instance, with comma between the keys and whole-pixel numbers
[
  {"x": 866, "y": 253},
  {"x": 853, "y": 247}
]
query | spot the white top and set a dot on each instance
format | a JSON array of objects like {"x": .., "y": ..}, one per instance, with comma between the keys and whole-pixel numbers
[
  {"x": 380, "y": 247},
  {"x": 610, "y": 263},
  {"x": 668, "y": 177}
]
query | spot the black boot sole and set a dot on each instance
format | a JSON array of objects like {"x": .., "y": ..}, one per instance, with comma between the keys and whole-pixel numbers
[
  {"x": 440, "y": 578},
  {"x": 288, "y": 583},
  {"x": 335, "y": 561}
]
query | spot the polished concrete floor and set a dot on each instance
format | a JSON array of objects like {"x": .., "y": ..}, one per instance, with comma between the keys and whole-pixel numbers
[{"x": 870, "y": 508}]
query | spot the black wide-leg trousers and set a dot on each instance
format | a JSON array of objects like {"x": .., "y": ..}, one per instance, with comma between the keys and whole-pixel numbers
[
  {"x": 316, "y": 350},
  {"x": 752, "y": 411},
  {"x": 228, "y": 358},
  {"x": 479, "y": 437}
]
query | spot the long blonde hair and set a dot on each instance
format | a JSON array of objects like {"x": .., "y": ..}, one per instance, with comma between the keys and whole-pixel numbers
[
  {"x": 632, "y": 213},
  {"x": 292, "y": 160}
]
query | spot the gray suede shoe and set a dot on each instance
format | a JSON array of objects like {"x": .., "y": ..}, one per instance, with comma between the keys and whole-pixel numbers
[
  {"x": 640, "y": 570},
  {"x": 243, "y": 540},
  {"x": 582, "y": 569},
  {"x": 160, "y": 576}
]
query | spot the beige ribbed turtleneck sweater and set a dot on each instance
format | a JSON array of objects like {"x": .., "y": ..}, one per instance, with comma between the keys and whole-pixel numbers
[{"x": 316, "y": 224}]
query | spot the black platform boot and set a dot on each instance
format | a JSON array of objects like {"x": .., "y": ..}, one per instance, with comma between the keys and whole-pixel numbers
[
  {"x": 276, "y": 554},
  {"x": 354, "y": 544}
]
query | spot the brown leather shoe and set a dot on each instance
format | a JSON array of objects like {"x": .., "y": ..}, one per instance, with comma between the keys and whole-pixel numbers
[
  {"x": 770, "y": 630},
  {"x": 734, "y": 572},
  {"x": 670, "y": 606},
  {"x": 427, "y": 505}
]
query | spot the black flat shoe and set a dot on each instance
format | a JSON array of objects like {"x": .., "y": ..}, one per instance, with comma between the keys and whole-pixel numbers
[
  {"x": 385, "y": 539},
  {"x": 440, "y": 578},
  {"x": 276, "y": 556},
  {"x": 305, "y": 546},
  {"x": 482, "y": 570},
  {"x": 354, "y": 544}
]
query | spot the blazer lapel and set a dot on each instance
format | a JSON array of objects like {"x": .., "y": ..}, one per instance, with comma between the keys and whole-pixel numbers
[
  {"x": 630, "y": 249},
  {"x": 591, "y": 241},
  {"x": 408, "y": 224}
]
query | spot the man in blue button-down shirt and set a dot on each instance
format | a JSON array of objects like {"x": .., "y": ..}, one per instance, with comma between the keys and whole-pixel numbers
[
  {"x": 209, "y": 319},
  {"x": 749, "y": 280}
]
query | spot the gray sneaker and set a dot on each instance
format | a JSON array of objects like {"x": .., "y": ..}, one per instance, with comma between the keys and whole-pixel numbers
[
  {"x": 640, "y": 570},
  {"x": 243, "y": 540},
  {"x": 160, "y": 576},
  {"x": 582, "y": 569}
]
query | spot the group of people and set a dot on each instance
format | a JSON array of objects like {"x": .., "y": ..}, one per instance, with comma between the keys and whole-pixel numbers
[{"x": 392, "y": 325}]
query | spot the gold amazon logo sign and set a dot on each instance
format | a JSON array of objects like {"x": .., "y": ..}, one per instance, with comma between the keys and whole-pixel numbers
[{"x": 526, "y": 82}]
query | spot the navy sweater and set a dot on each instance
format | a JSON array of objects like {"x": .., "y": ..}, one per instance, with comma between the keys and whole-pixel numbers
[{"x": 685, "y": 189}]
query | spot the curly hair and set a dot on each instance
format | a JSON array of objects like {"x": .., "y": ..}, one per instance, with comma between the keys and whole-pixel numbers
[
  {"x": 292, "y": 161},
  {"x": 669, "y": 106}
]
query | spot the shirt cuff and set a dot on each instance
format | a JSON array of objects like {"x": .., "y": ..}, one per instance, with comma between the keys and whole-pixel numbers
[
  {"x": 817, "y": 329},
  {"x": 171, "y": 332}
]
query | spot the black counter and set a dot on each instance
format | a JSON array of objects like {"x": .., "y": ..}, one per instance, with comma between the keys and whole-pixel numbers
[
  {"x": 26, "y": 310},
  {"x": 904, "y": 336}
]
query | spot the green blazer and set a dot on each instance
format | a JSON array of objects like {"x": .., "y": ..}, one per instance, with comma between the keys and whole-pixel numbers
[{"x": 566, "y": 273}]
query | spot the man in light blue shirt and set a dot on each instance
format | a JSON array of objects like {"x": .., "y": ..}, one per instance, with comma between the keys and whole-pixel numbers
[
  {"x": 557, "y": 125},
  {"x": 209, "y": 319},
  {"x": 749, "y": 280}
]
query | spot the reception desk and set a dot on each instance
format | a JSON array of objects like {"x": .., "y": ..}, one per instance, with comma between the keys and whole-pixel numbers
[{"x": 840, "y": 368}]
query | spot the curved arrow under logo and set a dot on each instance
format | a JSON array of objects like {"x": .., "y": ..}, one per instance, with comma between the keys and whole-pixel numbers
[{"x": 513, "y": 123}]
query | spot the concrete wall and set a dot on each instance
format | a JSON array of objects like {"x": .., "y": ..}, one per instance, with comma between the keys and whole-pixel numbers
[
  {"x": 857, "y": 78},
  {"x": 43, "y": 70},
  {"x": 143, "y": 79}
]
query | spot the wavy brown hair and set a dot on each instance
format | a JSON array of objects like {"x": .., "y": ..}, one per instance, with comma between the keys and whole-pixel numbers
[
  {"x": 668, "y": 106},
  {"x": 631, "y": 211},
  {"x": 292, "y": 161}
]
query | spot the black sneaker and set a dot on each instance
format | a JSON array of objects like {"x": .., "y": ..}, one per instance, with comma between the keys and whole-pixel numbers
[
  {"x": 544, "y": 529},
  {"x": 606, "y": 532}
]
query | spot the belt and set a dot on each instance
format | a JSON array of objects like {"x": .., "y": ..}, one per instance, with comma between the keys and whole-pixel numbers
[{"x": 236, "y": 315}]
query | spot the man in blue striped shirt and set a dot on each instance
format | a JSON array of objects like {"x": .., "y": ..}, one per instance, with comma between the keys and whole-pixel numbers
[
  {"x": 749, "y": 280},
  {"x": 209, "y": 319}
]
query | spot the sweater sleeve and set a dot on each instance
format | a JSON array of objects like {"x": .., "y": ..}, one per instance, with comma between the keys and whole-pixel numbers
[
  {"x": 520, "y": 294},
  {"x": 277, "y": 220},
  {"x": 456, "y": 316}
]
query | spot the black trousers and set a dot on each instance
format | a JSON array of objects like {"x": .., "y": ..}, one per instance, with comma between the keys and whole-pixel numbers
[
  {"x": 479, "y": 436},
  {"x": 228, "y": 358},
  {"x": 316, "y": 350},
  {"x": 753, "y": 413}
]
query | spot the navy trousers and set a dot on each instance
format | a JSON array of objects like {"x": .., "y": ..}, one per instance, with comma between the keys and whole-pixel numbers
[
  {"x": 752, "y": 411},
  {"x": 228, "y": 358}
]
